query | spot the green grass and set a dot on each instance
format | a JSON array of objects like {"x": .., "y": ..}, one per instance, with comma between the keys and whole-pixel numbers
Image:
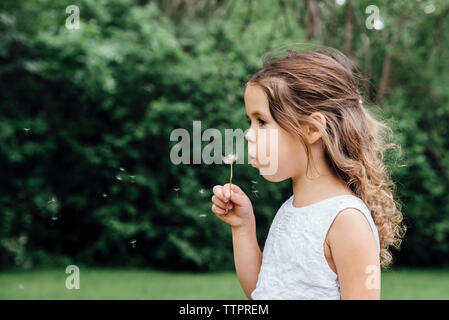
[{"x": 149, "y": 284}]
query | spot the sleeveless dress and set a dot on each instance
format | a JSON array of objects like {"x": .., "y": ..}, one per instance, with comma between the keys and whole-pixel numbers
[{"x": 294, "y": 266}]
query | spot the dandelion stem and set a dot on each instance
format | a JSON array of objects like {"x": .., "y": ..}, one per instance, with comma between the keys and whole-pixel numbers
[{"x": 230, "y": 181}]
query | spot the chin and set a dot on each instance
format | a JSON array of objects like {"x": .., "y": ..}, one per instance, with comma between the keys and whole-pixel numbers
[{"x": 273, "y": 177}]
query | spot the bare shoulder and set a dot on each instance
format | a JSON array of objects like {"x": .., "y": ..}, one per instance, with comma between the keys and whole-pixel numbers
[
  {"x": 354, "y": 252},
  {"x": 351, "y": 229}
]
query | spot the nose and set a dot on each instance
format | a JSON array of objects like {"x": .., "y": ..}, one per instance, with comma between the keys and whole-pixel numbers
[{"x": 249, "y": 136}]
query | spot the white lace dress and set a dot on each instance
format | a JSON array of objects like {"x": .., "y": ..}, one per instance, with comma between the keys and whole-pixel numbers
[{"x": 294, "y": 266}]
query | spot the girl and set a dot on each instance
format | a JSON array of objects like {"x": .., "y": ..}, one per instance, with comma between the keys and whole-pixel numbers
[{"x": 329, "y": 239}]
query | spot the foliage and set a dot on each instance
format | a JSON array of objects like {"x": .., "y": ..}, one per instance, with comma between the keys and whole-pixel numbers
[{"x": 86, "y": 117}]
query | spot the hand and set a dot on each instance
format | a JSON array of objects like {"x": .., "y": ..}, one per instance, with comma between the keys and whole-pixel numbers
[{"x": 235, "y": 208}]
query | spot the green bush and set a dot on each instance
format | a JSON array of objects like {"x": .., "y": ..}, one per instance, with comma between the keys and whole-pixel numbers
[{"x": 86, "y": 117}]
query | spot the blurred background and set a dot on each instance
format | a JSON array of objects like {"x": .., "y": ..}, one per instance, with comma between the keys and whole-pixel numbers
[{"x": 86, "y": 112}]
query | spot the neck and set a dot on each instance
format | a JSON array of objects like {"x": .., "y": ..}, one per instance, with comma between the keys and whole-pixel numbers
[{"x": 308, "y": 189}]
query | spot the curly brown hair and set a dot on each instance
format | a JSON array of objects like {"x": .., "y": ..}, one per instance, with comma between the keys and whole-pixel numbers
[{"x": 322, "y": 80}]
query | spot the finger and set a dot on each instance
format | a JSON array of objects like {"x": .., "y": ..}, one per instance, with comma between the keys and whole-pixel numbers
[
  {"x": 217, "y": 210},
  {"x": 218, "y": 202},
  {"x": 218, "y": 191},
  {"x": 225, "y": 193},
  {"x": 236, "y": 188}
]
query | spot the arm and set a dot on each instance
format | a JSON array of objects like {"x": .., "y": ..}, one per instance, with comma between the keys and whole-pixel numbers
[
  {"x": 236, "y": 210},
  {"x": 247, "y": 257},
  {"x": 355, "y": 254}
]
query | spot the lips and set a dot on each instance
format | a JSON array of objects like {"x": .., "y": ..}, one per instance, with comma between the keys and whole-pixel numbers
[{"x": 252, "y": 160}]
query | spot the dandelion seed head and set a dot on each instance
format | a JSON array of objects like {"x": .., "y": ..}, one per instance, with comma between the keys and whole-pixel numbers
[{"x": 230, "y": 158}]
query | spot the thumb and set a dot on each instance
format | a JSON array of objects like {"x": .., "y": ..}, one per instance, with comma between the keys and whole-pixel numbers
[{"x": 237, "y": 196}]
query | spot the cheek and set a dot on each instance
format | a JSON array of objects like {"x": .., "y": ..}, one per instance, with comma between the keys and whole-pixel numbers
[
  {"x": 291, "y": 153},
  {"x": 262, "y": 143}
]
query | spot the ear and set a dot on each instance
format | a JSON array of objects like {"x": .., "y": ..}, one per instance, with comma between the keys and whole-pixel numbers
[{"x": 313, "y": 132}]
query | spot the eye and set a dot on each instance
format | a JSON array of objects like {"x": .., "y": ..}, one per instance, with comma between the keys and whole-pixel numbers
[{"x": 261, "y": 122}]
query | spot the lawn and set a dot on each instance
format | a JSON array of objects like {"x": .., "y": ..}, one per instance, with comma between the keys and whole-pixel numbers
[{"x": 150, "y": 284}]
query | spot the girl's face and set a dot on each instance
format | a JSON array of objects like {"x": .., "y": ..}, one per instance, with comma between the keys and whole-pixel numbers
[{"x": 277, "y": 154}]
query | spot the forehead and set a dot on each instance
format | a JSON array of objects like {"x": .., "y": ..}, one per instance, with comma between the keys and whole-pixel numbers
[{"x": 255, "y": 99}]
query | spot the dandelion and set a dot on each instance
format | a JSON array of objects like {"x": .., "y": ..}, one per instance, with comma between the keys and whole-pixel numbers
[{"x": 230, "y": 159}]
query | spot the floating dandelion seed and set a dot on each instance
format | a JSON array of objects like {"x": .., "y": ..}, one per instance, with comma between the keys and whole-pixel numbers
[
  {"x": 378, "y": 24},
  {"x": 132, "y": 179},
  {"x": 53, "y": 205},
  {"x": 53, "y": 219},
  {"x": 429, "y": 8},
  {"x": 105, "y": 195},
  {"x": 118, "y": 178},
  {"x": 230, "y": 159},
  {"x": 201, "y": 191},
  {"x": 253, "y": 181},
  {"x": 122, "y": 169},
  {"x": 20, "y": 286},
  {"x": 133, "y": 242},
  {"x": 176, "y": 190},
  {"x": 26, "y": 130},
  {"x": 255, "y": 192},
  {"x": 202, "y": 215},
  {"x": 148, "y": 87}
]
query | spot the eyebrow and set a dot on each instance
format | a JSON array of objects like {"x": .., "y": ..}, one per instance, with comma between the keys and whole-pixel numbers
[{"x": 256, "y": 113}]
